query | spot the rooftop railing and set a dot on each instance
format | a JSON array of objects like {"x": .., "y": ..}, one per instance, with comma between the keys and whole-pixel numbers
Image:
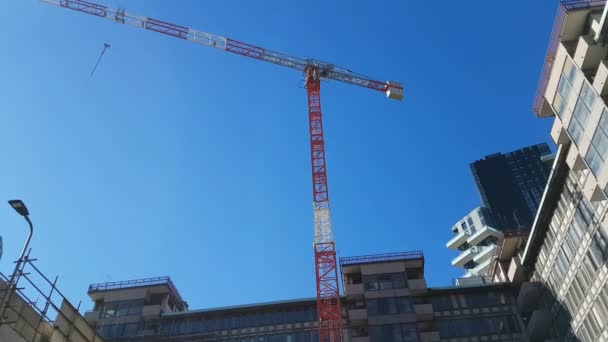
[{"x": 375, "y": 258}]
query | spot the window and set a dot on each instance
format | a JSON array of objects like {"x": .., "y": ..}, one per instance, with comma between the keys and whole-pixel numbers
[
  {"x": 599, "y": 247},
  {"x": 579, "y": 120},
  {"x": 385, "y": 281},
  {"x": 570, "y": 71},
  {"x": 452, "y": 328},
  {"x": 564, "y": 88},
  {"x": 118, "y": 309},
  {"x": 471, "y": 224},
  {"x": 393, "y": 333},
  {"x": 591, "y": 326},
  {"x": 441, "y": 303},
  {"x": 559, "y": 104},
  {"x": 477, "y": 300},
  {"x": 601, "y": 303},
  {"x": 587, "y": 95},
  {"x": 561, "y": 265},
  {"x": 588, "y": 268},
  {"x": 118, "y": 330},
  {"x": 389, "y": 306},
  {"x": 598, "y": 151}
]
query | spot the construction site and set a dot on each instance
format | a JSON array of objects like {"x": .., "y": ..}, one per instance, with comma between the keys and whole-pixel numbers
[{"x": 511, "y": 291}]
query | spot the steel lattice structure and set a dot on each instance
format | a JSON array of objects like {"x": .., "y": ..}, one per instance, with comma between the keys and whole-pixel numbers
[{"x": 328, "y": 291}]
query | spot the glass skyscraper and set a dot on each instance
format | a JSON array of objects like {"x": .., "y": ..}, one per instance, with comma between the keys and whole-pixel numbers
[{"x": 511, "y": 185}]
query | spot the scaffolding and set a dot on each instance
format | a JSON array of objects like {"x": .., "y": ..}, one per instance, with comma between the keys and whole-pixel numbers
[{"x": 48, "y": 318}]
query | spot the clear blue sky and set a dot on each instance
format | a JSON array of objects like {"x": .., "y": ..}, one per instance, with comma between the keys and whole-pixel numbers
[{"x": 176, "y": 159}]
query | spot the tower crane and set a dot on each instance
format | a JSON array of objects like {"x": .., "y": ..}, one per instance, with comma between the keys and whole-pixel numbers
[{"x": 328, "y": 292}]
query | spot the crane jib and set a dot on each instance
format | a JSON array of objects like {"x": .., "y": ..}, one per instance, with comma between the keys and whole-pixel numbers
[
  {"x": 393, "y": 90},
  {"x": 86, "y": 7},
  {"x": 167, "y": 28}
]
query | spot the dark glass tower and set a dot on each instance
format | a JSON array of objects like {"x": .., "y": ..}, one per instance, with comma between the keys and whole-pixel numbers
[{"x": 511, "y": 185}]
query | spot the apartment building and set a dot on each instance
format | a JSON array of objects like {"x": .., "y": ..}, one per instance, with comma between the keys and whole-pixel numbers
[{"x": 385, "y": 299}]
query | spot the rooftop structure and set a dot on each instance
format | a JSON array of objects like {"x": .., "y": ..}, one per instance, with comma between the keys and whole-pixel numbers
[{"x": 160, "y": 283}]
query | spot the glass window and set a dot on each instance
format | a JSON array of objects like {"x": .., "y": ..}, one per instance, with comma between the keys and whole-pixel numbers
[
  {"x": 125, "y": 308},
  {"x": 576, "y": 131},
  {"x": 604, "y": 121},
  {"x": 598, "y": 152},
  {"x": 570, "y": 71},
  {"x": 385, "y": 281},
  {"x": 601, "y": 303},
  {"x": 600, "y": 142},
  {"x": 599, "y": 246},
  {"x": 594, "y": 160},
  {"x": 393, "y": 332},
  {"x": 564, "y": 87},
  {"x": 588, "y": 95},
  {"x": 559, "y": 105},
  {"x": 580, "y": 118},
  {"x": 477, "y": 326},
  {"x": 389, "y": 306}
]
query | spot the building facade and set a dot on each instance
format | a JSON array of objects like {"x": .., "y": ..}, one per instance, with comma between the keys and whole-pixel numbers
[
  {"x": 385, "y": 299},
  {"x": 565, "y": 257}
]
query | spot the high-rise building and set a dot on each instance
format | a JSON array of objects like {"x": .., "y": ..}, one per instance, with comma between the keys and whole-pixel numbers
[
  {"x": 563, "y": 264},
  {"x": 511, "y": 185},
  {"x": 386, "y": 299}
]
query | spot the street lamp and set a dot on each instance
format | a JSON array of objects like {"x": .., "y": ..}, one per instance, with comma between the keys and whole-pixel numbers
[{"x": 20, "y": 208}]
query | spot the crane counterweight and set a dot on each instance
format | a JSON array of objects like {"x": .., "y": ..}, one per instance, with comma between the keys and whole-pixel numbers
[{"x": 394, "y": 91}]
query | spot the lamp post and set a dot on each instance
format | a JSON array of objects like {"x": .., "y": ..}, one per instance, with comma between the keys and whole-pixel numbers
[{"x": 20, "y": 208}]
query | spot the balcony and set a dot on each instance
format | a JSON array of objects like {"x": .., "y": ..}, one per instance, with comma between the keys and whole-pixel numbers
[
  {"x": 354, "y": 290},
  {"x": 424, "y": 312},
  {"x": 472, "y": 281},
  {"x": 482, "y": 234},
  {"x": 457, "y": 240},
  {"x": 484, "y": 253},
  {"x": 463, "y": 258},
  {"x": 481, "y": 269},
  {"x": 357, "y": 315}
]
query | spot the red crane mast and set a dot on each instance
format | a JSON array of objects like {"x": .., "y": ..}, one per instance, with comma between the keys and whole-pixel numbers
[{"x": 328, "y": 291}]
